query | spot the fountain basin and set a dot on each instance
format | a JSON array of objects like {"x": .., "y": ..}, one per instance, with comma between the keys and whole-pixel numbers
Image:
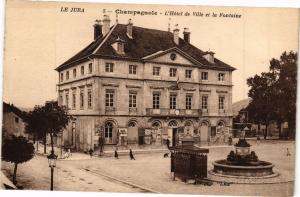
[{"x": 256, "y": 169}]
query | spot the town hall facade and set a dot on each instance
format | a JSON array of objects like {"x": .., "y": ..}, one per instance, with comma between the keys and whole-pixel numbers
[{"x": 137, "y": 87}]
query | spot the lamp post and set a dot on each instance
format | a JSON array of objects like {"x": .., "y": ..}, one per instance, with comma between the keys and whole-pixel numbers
[{"x": 52, "y": 164}]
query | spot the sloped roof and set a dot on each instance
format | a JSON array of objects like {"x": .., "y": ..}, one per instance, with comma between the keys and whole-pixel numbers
[
  {"x": 144, "y": 43},
  {"x": 11, "y": 108}
]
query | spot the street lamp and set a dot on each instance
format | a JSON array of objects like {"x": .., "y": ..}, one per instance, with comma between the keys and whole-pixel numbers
[{"x": 52, "y": 164}]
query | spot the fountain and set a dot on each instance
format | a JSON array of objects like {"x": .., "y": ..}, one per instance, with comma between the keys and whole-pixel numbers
[{"x": 243, "y": 163}]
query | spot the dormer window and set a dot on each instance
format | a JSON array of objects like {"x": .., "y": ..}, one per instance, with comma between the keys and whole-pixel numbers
[
  {"x": 209, "y": 56},
  {"x": 119, "y": 46}
]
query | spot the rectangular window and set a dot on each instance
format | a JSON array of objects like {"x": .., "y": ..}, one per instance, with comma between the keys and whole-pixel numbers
[
  {"x": 132, "y": 69},
  {"x": 67, "y": 100},
  {"x": 90, "y": 68},
  {"x": 132, "y": 100},
  {"x": 188, "y": 102},
  {"x": 61, "y": 77},
  {"x": 221, "y": 102},
  {"x": 16, "y": 119},
  {"x": 173, "y": 72},
  {"x": 204, "y": 75},
  {"x": 156, "y": 71},
  {"x": 60, "y": 99},
  {"x": 90, "y": 98},
  {"x": 156, "y": 100},
  {"x": 74, "y": 73},
  {"x": 82, "y": 70},
  {"x": 74, "y": 100},
  {"x": 172, "y": 101},
  {"x": 81, "y": 99},
  {"x": 204, "y": 102},
  {"x": 221, "y": 76},
  {"x": 188, "y": 74},
  {"x": 109, "y": 98},
  {"x": 109, "y": 67},
  {"x": 67, "y": 75}
]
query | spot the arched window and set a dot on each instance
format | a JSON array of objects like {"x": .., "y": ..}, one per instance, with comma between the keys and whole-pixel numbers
[
  {"x": 132, "y": 124},
  {"x": 188, "y": 124},
  {"x": 221, "y": 127},
  {"x": 108, "y": 132},
  {"x": 156, "y": 125},
  {"x": 172, "y": 123}
]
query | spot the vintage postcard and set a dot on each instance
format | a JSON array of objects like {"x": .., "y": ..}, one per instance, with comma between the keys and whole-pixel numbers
[{"x": 137, "y": 98}]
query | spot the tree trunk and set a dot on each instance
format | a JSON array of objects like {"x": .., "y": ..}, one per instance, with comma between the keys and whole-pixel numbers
[
  {"x": 51, "y": 136},
  {"x": 15, "y": 174},
  {"x": 291, "y": 129},
  {"x": 279, "y": 129},
  {"x": 45, "y": 144},
  {"x": 258, "y": 127},
  {"x": 266, "y": 131},
  {"x": 37, "y": 145}
]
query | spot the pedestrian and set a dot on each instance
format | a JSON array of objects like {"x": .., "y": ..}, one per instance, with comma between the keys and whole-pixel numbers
[
  {"x": 69, "y": 152},
  {"x": 91, "y": 152},
  {"x": 230, "y": 140},
  {"x": 131, "y": 155},
  {"x": 258, "y": 140},
  {"x": 168, "y": 143},
  {"x": 116, "y": 153},
  {"x": 288, "y": 152}
]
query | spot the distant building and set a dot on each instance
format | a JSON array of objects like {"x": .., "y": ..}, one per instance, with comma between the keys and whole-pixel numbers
[
  {"x": 139, "y": 86},
  {"x": 13, "y": 122}
]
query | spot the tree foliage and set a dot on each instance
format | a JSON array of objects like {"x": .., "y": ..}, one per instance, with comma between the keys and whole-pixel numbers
[
  {"x": 273, "y": 93},
  {"x": 17, "y": 150},
  {"x": 48, "y": 119}
]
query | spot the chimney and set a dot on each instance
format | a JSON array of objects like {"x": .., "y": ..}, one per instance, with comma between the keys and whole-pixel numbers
[
  {"x": 186, "y": 35},
  {"x": 129, "y": 28},
  {"x": 106, "y": 25},
  {"x": 97, "y": 29},
  {"x": 209, "y": 56},
  {"x": 176, "y": 34}
]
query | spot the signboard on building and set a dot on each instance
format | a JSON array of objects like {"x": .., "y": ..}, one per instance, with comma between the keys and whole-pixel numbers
[{"x": 123, "y": 132}]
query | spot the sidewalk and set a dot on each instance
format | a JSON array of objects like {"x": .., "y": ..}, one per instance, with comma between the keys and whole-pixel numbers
[{"x": 146, "y": 150}]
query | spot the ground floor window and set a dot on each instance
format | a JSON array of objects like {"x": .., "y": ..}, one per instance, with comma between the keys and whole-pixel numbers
[{"x": 108, "y": 132}]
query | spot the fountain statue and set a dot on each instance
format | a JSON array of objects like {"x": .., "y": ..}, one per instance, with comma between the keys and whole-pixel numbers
[{"x": 243, "y": 163}]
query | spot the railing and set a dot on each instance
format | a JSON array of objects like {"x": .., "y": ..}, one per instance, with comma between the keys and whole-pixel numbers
[{"x": 173, "y": 112}]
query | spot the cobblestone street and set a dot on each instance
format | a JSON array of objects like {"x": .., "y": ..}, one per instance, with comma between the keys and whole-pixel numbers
[{"x": 151, "y": 173}]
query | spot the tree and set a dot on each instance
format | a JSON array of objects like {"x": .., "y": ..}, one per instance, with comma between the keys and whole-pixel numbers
[
  {"x": 48, "y": 119},
  {"x": 56, "y": 119},
  {"x": 17, "y": 150},
  {"x": 285, "y": 70},
  {"x": 274, "y": 93},
  {"x": 35, "y": 125}
]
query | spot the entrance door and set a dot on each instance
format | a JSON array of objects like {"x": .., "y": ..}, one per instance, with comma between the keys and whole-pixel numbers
[
  {"x": 174, "y": 136},
  {"x": 204, "y": 132}
]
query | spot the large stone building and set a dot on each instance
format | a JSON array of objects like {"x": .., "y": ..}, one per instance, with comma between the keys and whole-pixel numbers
[{"x": 136, "y": 86}]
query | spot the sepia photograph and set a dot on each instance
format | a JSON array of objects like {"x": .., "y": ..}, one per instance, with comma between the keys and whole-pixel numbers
[{"x": 149, "y": 98}]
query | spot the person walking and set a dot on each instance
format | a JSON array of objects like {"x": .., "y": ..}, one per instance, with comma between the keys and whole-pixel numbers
[
  {"x": 288, "y": 152},
  {"x": 91, "y": 153},
  {"x": 258, "y": 140},
  {"x": 116, "y": 153},
  {"x": 131, "y": 155}
]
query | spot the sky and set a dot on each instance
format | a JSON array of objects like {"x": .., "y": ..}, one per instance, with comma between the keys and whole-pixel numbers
[{"x": 39, "y": 37}]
